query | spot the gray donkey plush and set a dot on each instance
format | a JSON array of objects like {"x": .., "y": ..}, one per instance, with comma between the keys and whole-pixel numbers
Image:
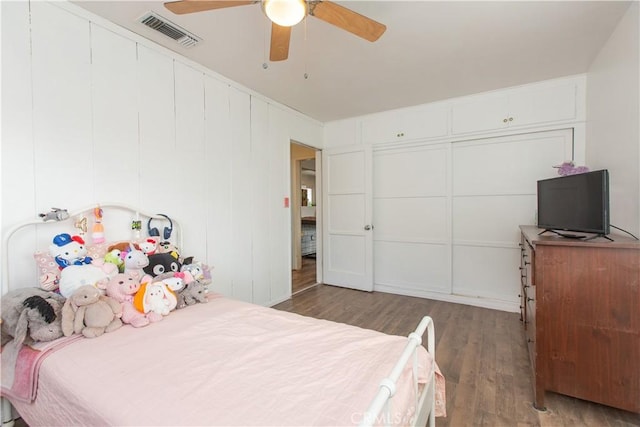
[{"x": 31, "y": 314}]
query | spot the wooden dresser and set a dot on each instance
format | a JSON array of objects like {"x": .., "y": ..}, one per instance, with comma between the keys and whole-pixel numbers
[{"x": 580, "y": 305}]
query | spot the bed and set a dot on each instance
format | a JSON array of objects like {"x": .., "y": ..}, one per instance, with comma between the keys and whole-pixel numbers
[{"x": 228, "y": 362}]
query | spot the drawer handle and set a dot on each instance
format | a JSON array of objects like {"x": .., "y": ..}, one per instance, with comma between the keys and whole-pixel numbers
[
  {"x": 529, "y": 299},
  {"x": 527, "y": 263},
  {"x": 530, "y": 340}
]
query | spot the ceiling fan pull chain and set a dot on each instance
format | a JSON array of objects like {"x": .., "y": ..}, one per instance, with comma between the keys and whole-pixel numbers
[
  {"x": 306, "y": 74},
  {"x": 267, "y": 27}
]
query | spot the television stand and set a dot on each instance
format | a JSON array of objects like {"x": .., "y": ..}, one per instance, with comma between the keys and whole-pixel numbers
[
  {"x": 581, "y": 317},
  {"x": 575, "y": 236}
]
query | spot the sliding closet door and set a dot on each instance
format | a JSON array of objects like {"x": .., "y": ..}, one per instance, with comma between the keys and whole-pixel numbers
[
  {"x": 411, "y": 208},
  {"x": 347, "y": 211},
  {"x": 494, "y": 191}
]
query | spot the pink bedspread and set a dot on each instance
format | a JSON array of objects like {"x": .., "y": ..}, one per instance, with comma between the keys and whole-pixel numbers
[
  {"x": 222, "y": 363},
  {"x": 20, "y": 372}
]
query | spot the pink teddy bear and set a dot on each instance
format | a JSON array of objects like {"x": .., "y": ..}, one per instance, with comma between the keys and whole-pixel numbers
[{"x": 122, "y": 287}]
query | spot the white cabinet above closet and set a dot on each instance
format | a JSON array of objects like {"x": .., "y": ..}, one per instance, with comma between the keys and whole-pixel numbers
[
  {"x": 409, "y": 124},
  {"x": 538, "y": 104}
]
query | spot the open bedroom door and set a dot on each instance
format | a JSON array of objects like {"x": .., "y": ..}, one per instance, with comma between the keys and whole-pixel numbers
[{"x": 348, "y": 228}]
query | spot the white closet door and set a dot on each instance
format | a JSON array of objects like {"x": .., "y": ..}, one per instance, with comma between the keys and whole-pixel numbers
[
  {"x": 411, "y": 214},
  {"x": 494, "y": 191},
  {"x": 348, "y": 230}
]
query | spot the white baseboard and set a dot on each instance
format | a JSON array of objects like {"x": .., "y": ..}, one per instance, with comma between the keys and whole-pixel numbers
[{"x": 494, "y": 304}]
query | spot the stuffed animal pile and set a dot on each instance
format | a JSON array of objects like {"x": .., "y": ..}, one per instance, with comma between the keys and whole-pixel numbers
[{"x": 132, "y": 283}]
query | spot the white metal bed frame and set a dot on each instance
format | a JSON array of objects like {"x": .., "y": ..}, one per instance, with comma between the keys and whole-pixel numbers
[{"x": 380, "y": 408}]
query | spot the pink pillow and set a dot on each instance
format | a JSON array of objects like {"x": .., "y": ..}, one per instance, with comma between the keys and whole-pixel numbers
[
  {"x": 98, "y": 251},
  {"x": 48, "y": 271}
]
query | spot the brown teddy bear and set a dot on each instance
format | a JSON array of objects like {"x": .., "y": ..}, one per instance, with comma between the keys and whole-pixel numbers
[{"x": 89, "y": 312}]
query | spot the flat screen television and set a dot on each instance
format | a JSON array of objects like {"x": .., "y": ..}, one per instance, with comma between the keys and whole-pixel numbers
[{"x": 578, "y": 203}]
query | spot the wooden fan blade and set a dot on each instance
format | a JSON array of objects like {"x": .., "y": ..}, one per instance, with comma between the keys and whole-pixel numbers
[
  {"x": 280, "y": 37},
  {"x": 348, "y": 20},
  {"x": 191, "y": 6}
]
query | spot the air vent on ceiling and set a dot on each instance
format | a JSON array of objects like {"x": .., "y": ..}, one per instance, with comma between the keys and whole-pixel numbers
[{"x": 169, "y": 29}]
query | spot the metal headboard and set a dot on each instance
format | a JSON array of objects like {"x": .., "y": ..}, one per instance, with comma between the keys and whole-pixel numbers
[{"x": 6, "y": 239}]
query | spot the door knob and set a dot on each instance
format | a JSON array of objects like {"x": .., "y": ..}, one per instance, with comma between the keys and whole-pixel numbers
[{"x": 367, "y": 227}]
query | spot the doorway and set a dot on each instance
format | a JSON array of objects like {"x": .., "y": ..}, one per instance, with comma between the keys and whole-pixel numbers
[{"x": 305, "y": 217}]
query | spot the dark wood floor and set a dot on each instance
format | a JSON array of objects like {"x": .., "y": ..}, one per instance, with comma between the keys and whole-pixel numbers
[
  {"x": 481, "y": 352},
  {"x": 306, "y": 276}
]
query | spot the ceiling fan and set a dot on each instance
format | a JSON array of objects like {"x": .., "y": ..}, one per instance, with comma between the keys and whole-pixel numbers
[{"x": 286, "y": 13}]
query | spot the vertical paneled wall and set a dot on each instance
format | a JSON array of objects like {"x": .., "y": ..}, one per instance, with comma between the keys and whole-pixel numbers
[{"x": 94, "y": 113}]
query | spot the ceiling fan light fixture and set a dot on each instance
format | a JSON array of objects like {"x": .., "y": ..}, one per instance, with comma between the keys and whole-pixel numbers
[{"x": 285, "y": 13}]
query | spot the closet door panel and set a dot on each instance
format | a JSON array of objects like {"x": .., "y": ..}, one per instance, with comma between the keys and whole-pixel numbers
[
  {"x": 487, "y": 272},
  {"x": 412, "y": 266},
  {"x": 415, "y": 172},
  {"x": 480, "y": 113},
  {"x": 492, "y": 219},
  {"x": 495, "y": 180},
  {"x": 543, "y": 104},
  {"x": 115, "y": 116},
  {"x": 411, "y": 219},
  {"x": 61, "y": 73},
  {"x": 508, "y": 165}
]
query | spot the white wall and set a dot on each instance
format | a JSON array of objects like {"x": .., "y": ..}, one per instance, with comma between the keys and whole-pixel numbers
[
  {"x": 613, "y": 112},
  {"x": 92, "y": 112}
]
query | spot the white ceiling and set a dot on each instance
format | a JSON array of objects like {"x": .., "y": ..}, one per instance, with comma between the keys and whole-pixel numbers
[{"x": 430, "y": 51}]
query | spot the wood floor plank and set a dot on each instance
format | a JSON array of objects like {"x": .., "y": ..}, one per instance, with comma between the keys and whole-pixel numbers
[{"x": 482, "y": 354}]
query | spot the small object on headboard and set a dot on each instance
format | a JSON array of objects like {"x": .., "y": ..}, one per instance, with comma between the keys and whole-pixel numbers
[
  {"x": 56, "y": 214},
  {"x": 136, "y": 226},
  {"x": 97, "y": 232},
  {"x": 81, "y": 225}
]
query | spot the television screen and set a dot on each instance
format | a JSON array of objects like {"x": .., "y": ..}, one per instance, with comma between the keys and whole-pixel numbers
[{"x": 575, "y": 203}]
